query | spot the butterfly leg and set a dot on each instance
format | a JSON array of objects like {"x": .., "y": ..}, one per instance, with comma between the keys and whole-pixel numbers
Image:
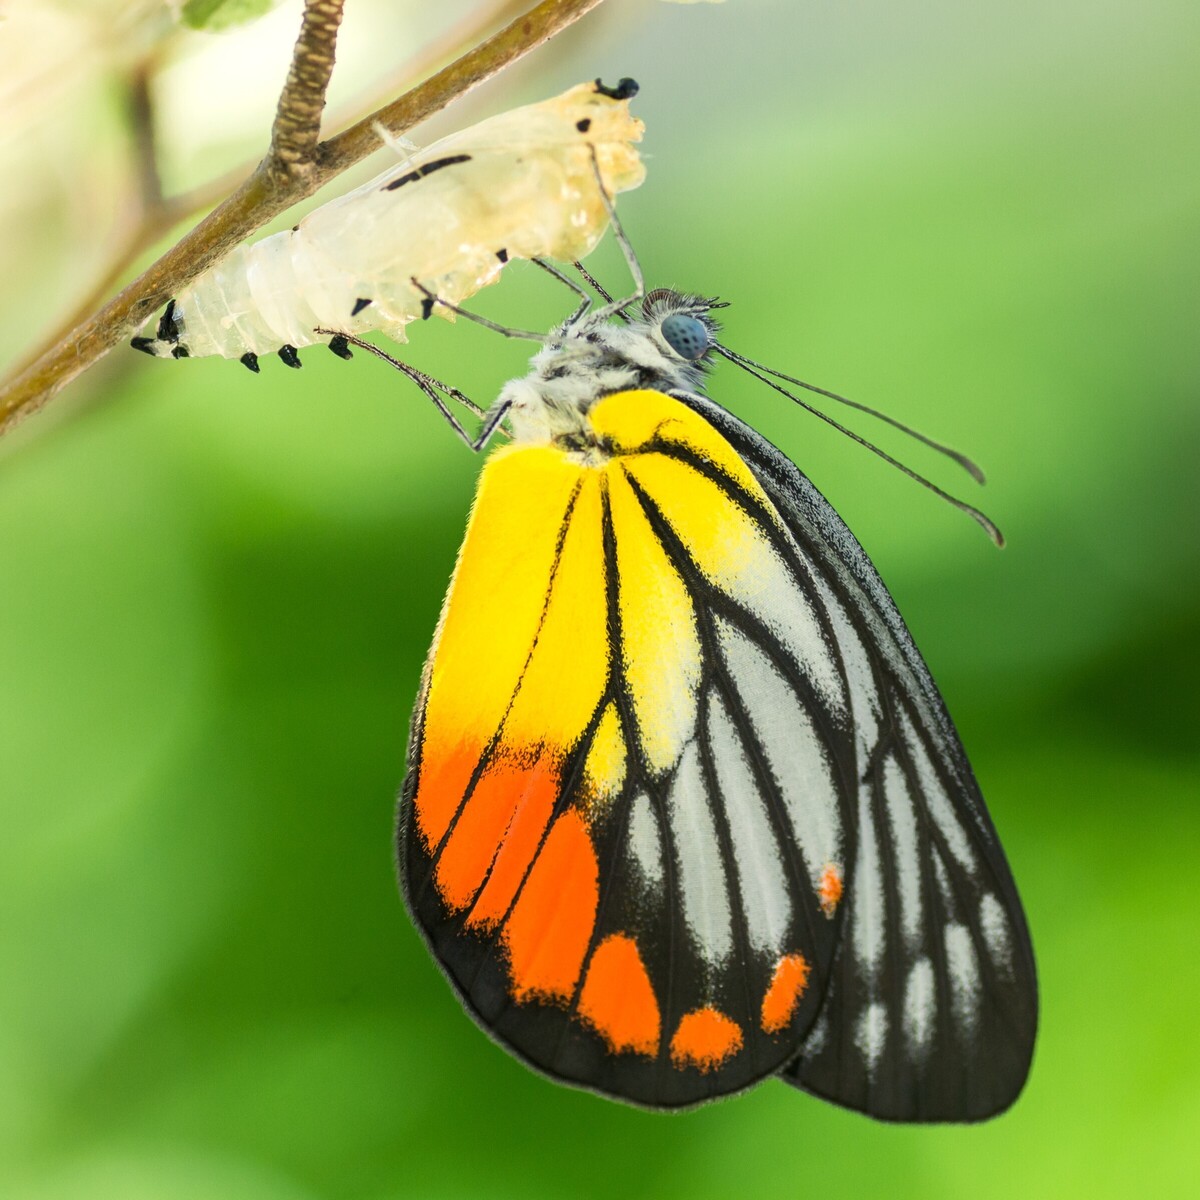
[
  {"x": 586, "y": 301},
  {"x": 631, "y": 258},
  {"x": 431, "y": 387},
  {"x": 431, "y": 299}
]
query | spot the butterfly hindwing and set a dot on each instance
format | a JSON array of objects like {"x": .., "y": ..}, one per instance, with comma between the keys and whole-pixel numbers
[
  {"x": 931, "y": 1007},
  {"x": 631, "y": 787}
]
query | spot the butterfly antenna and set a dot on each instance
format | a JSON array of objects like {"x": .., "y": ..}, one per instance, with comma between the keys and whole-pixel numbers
[
  {"x": 967, "y": 464},
  {"x": 432, "y": 300},
  {"x": 988, "y": 525}
]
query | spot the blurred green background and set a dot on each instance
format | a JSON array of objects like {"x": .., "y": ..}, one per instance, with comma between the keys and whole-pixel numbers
[{"x": 218, "y": 589}]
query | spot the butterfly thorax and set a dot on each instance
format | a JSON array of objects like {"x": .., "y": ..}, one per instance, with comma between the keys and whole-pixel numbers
[{"x": 585, "y": 362}]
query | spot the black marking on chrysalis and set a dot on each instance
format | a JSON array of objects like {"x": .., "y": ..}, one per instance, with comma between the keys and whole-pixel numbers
[
  {"x": 289, "y": 356},
  {"x": 340, "y": 346},
  {"x": 502, "y": 254},
  {"x": 584, "y": 125},
  {"x": 426, "y": 308},
  {"x": 426, "y": 169},
  {"x": 167, "y": 330},
  {"x": 144, "y": 344},
  {"x": 359, "y": 305},
  {"x": 180, "y": 351},
  {"x": 626, "y": 89},
  {"x": 249, "y": 360}
]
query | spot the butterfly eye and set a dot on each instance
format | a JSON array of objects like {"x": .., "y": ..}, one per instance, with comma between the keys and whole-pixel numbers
[{"x": 687, "y": 336}]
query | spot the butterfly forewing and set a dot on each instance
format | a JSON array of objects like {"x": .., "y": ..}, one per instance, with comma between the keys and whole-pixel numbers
[{"x": 631, "y": 789}]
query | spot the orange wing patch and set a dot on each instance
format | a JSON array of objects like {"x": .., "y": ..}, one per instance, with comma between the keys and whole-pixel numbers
[
  {"x": 508, "y": 797},
  {"x": 829, "y": 892},
  {"x": 704, "y": 1039},
  {"x": 617, "y": 999},
  {"x": 551, "y": 924},
  {"x": 446, "y": 770},
  {"x": 783, "y": 994},
  {"x": 524, "y": 801}
]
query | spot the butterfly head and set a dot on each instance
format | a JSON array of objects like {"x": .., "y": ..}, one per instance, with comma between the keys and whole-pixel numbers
[{"x": 667, "y": 349}]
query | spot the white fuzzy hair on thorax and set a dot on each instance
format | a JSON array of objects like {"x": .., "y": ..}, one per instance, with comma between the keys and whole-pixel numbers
[{"x": 595, "y": 357}]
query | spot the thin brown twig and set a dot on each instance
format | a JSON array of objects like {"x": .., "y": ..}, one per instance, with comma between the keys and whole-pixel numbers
[
  {"x": 134, "y": 226},
  {"x": 140, "y": 103},
  {"x": 262, "y": 196}
]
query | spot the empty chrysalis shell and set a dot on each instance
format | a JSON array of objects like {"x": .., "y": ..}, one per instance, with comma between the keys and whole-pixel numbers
[{"x": 518, "y": 185}]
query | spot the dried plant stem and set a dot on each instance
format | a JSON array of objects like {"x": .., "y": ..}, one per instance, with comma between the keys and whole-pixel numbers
[
  {"x": 297, "y": 128},
  {"x": 297, "y": 166},
  {"x": 140, "y": 103}
]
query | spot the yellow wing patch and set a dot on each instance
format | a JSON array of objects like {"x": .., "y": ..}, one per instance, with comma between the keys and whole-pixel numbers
[
  {"x": 491, "y": 616},
  {"x": 663, "y": 672},
  {"x": 604, "y": 771},
  {"x": 567, "y": 667},
  {"x": 635, "y": 421}
]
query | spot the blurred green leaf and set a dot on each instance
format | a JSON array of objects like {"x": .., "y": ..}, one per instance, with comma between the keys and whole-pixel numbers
[{"x": 215, "y": 15}]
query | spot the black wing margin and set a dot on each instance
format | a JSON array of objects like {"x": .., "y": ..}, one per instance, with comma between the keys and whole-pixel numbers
[{"x": 930, "y": 1011}]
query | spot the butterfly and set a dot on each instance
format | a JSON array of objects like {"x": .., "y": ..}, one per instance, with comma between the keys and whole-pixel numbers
[
  {"x": 684, "y": 808},
  {"x": 522, "y": 184}
]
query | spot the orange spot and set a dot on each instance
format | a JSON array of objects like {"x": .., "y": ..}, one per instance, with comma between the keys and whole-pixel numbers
[
  {"x": 787, "y": 986},
  {"x": 549, "y": 928},
  {"x": 535, "y": 789},
  {"x": 830, "y": 889},
  {"x": 704, "y": 1039},
  {"x": 445, "y": 773},
  {"x": 617, "y": 999},
  {"x": 508, "y": 799}
]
